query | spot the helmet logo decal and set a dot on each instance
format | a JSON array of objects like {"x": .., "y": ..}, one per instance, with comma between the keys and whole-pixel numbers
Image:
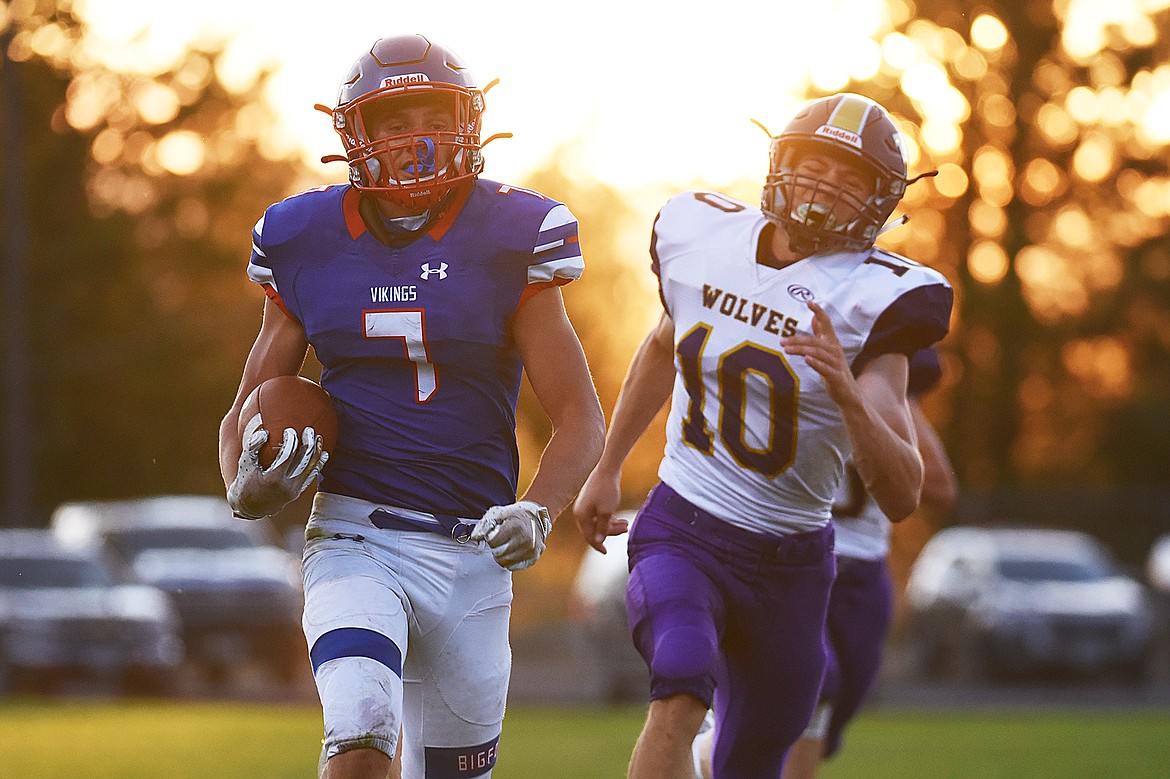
[
  {"x": 424, "y": 156},
  {"x": 405, "y": 79},
  {"x": 837, "y": 134}
]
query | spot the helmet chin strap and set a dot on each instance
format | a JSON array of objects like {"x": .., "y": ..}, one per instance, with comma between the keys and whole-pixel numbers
[{"x": 803, "y": 241}]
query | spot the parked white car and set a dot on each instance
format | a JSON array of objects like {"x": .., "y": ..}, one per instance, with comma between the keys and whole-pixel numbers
[
  {"x": 1011, "y": 601},
  {"x": 237, "y": 591},
  {"x": 63, "y": 617}
]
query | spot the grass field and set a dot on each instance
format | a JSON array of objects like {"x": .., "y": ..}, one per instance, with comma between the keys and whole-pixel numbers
[{"x": 176, "y": 740}]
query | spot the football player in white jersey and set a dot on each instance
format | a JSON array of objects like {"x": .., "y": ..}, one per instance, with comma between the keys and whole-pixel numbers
[{"x": 784, "y": 349}]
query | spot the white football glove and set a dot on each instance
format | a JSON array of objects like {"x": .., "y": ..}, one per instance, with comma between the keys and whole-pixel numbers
[
  {"x": 259, "y": 492},
  {"x": 515, "y": 533}
]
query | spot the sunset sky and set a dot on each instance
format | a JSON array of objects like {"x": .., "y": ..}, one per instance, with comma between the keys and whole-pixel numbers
[{"x": 652, "y": 93}]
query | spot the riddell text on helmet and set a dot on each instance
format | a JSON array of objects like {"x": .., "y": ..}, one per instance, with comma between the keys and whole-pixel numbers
[
  {"x": 836, "y": 133},
  {"x": 405, "y": 79}
]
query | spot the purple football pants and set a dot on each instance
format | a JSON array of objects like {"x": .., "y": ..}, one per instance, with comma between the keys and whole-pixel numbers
[
  {"x": 725, "y": 614},
  {"x": 860, "y": 609}
]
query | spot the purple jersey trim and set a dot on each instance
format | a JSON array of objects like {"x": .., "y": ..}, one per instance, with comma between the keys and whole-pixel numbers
[
  {"x": 925, "y": 371},
  {"x": 914, "y": 321}
]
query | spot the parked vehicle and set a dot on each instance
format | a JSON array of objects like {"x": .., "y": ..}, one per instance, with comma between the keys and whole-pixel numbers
[
  {"x": 1158, "y": 566},
  {"x": 62, "y": 617},
  {"x": 1012, "y": 601},
  {"x": 597, "y": 608},
  {"x": 237, "y": 592},
  {"x": 1158, "y": 577}
]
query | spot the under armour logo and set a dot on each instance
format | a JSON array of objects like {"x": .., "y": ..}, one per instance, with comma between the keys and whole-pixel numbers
[{"x": 427, "y": 270}]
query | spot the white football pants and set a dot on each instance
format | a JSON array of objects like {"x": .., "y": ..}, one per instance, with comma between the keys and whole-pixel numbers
[{"x": 406, "y": 629}]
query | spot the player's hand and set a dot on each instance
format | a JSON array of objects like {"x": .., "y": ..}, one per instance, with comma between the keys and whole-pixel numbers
[
  {"x": 259, "y": 492},
  {"x": 515, "y": 533},
  {"x": 593, "y": 510},
  {"x": 822, "y": 351}
]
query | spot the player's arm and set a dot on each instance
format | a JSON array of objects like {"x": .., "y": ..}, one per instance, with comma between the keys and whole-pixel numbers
[
  {"x": 646, "y": 387},
  {"x": 876, "y": 413},
  {"x": 940, "y": 489},
  {"x": 559, "y": 375},
  {"x": 885, "y": 448},
  {"x": 279, "y": 350}
]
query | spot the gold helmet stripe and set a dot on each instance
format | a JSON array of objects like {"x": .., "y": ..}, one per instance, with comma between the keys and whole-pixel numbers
[{"x": 850, "y": 114}]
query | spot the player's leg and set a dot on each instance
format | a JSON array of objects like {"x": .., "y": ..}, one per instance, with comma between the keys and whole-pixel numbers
[
  {"x": 702, "y": 746},
  {"x": 358, "y": 764},
  {"x": 804, "y": 758},
  {"x": 664, "y": 746},
  {"x": 775, "y": 657},
  {"x": 676, "y": 617},
  {"x": 356, "y": 629},
  {"x": 802, "y": 762},
  {"x": 457, "y": 672},
  {"x": 860, "y": 612}
]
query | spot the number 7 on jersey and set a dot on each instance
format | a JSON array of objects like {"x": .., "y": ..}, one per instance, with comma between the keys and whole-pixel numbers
[{"x": 411, "y": 326}]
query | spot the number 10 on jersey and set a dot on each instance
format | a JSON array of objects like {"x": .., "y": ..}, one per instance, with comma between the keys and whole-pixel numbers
[{"x": 734, "y": 369}]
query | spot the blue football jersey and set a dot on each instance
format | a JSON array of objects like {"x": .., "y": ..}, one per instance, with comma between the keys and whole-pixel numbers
[{"x": 415, "y": 341}]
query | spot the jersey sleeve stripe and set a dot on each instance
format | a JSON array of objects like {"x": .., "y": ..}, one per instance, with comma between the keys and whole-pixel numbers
[
  {"x": 544, "y": 247},
  {"x": 558, "y": 217},
  {"x": 563, "y": 233},
  {"x": 261, "y": 274},
  {"x": 655, "y": 265},
  {"x": 567, "y": 252},
  {"x": 566, "y": 269},
  {"x": 537, "y": 286}
]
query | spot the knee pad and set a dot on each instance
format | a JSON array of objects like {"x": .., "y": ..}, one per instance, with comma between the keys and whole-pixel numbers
[
  {"x": 683, "y": 662},
  {"x": 361, "y": 703},
  {"x": 683, "y": 653}
]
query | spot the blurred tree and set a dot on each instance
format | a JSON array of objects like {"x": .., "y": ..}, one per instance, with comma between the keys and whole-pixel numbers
[
  {"x": 1049, "y": 122},
  {"x": 143, "y": 190}
]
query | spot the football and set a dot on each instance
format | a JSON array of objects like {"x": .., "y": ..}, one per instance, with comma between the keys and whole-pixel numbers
[{"x": 290, "y": 401}]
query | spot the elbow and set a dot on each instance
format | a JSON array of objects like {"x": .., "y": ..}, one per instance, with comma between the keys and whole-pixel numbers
[
  {"x": 593, "y": 440},
  {"x": 940, "y": 496},
  {"x": 897, "y": 510},
  {"x": 898, "y": 504}
]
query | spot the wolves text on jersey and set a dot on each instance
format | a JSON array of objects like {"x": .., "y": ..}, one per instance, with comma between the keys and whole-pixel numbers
[{"x": 740, "y": 308}]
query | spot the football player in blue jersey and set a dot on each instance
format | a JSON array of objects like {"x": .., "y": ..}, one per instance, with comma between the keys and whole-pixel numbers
[
  {"x": 425, "y": 292},
  {"x": 862, "y": 602},
  {"x": 784, "y": 348}
]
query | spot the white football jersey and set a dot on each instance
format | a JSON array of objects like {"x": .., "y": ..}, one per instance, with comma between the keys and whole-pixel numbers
[
  {"x": 753, "y": 436},
  {"x": 862, "y": 530}
]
